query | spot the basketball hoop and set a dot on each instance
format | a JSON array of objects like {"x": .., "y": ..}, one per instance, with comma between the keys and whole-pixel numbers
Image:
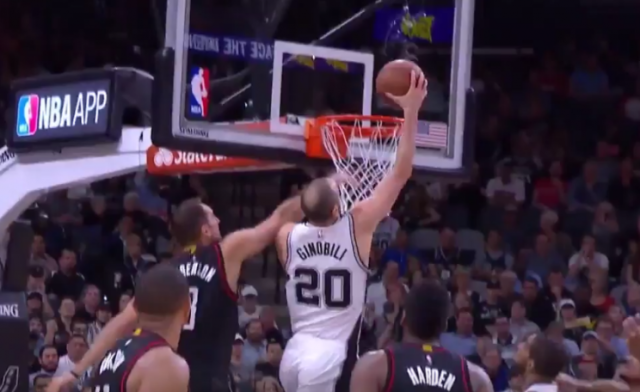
[{"x": 363, "y": 148}]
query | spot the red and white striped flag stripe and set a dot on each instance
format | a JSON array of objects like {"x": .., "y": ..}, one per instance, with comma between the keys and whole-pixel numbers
[{"x": 432, "y": 134}]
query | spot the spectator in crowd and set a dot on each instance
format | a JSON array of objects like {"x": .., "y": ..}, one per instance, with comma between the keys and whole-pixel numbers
[
  {"x": 67, "y": 282},
  {"x": 543, "y": 258},
  {"x": 271, "y": 365},
  {"x": 539, "y": 308},
  {"x": 255, "y": 346},
  {"x": 399, "y": 252},
  {"x": 90, "y": 301},
  {"x": 592, "y": 362},
  {"x": 489, "y": 309},
  {"x": 240, "y": 374},
  {"x": 48, "y": 360},
  {"x": 40, "y": 382},
  {"x": 609, "y": 341},
  {"x": 550, "y": 191},
  {"x": 378, "y": 292},
  {"x": 462, "y": 341},
  {"x": 76, "y": 348},
  {"x": 504, "y": 340},
  {"x": 555, "y": 289},
  {"x": 555, "y": 332},
  {"x": 443, "y": 259},
  {"x": 269, "y": 325},
  {"x": 587, "y": 191},
  {"x": 249, "y": 310},
  {"x": 496, "y": 257},
  {"x": 586, "y": 259},
  {"x": 519, "y": 325},
  {"x": 40, "y": 257},
  {"x": 505, "y": 189},
  {"x": 124, "y": 300},
  {"x": 574, "y": 327},
  {"x": 624, "y": 190},
  {"x": 496, "y": 368},
  {"x": 59, "y": 328},
  {"x": 560, "y": 242},
  {"x": 103, "y": 315}
]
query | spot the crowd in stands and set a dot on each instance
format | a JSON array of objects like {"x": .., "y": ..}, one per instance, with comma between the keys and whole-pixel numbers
[{"x": 544, "y": 236}]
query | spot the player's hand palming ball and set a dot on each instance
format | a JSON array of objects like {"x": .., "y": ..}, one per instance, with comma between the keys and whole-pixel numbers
[{"x": 395, "y": 78}]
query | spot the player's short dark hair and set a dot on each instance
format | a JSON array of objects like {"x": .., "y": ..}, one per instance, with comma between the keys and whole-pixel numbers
[
  {"x": 319, "y": 200},
  {"x": 427, "y": 310},
  {"x": 161, "y": 291},
  {"x": 549, "y": 358},
  {"x": 187, "y": 222}
]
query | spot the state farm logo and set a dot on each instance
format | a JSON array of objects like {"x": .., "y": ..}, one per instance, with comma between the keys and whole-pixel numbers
[{"x": 164, "y": 157}]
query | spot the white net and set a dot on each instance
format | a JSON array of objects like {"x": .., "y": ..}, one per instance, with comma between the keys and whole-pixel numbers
[{"x": 370, "y": 155}]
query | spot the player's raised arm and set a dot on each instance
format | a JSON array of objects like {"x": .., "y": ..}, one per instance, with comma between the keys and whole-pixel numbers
[
  {"x": 369, "y": 212},
  {"x": 243, "y": 244},
  {"x": 117, "y": 328}
]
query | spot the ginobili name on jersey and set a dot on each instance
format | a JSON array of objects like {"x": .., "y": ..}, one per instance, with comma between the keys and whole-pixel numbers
[{"x": 321, "y": 248}]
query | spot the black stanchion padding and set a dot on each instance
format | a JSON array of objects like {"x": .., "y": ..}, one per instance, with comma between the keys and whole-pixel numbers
[
  {"x": 16, "y": 267},
  {"x": 14, "y": 340}
]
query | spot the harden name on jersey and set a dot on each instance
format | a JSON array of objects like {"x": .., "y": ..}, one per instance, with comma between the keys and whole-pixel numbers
[{"x": 432, "y": 377}]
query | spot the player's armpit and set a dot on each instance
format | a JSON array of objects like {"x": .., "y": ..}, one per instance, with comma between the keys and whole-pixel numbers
[
  {"x": 282, "y": 243},
  {"x": 370, "y": 373},
  {"x": 480, "y": 381},
  {"x": 246, "y": 243},
  {"x": 117, "y": 328},
  {"x": 160, "y": 370}
]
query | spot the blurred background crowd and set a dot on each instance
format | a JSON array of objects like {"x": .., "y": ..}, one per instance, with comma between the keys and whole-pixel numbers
[{"x": 544, "y": 236}]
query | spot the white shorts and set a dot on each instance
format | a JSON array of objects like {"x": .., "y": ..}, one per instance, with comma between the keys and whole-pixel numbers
[{"x": 310, "y": 364}]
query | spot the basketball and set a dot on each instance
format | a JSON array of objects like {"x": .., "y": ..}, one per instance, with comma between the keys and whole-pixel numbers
[{"x": 395, "y": 77}]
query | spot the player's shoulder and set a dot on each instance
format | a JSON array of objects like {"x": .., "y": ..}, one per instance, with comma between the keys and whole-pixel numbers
[{"x": 161, "y": 359}]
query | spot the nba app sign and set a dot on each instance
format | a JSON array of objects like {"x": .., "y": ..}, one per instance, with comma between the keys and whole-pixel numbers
[
  {"x": 62, "y": 112},
  {"x": 198, "y": 102},
  {"x": 52, "y": 112}
]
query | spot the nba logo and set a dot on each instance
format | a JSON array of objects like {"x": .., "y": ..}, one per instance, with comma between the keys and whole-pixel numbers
[
  {"x": 27, "y": 116},
  {"x": 199, "y": 94}
]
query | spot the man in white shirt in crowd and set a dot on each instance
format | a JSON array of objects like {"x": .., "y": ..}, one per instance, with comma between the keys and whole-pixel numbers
[
  {"x": 76, "y": 348},
  {"x": 249, "y": 310},
  {"x": 587, "y": 258},
  {"x": 505, "y": 189}
]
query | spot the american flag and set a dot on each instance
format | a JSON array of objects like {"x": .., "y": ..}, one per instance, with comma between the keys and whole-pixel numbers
[{"x": 432, "y": 134}]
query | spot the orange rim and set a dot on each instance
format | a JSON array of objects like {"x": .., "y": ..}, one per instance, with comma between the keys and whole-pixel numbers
[{"x": 385, "y": 125}]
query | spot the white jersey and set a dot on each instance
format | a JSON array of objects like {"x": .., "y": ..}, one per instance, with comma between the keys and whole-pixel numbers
[{"x": 327, "y": 280}]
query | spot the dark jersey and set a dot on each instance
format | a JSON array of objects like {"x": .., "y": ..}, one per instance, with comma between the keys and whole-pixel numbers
[
  {"x": 112, "y": 371},
  {"x": 416, "y": 367},
  {"x": 205, "y": 342}
]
